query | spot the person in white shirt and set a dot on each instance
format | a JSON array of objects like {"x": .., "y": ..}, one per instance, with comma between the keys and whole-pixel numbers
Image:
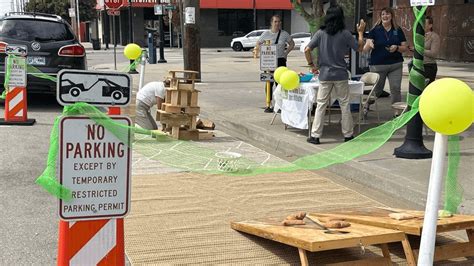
[{"x": 152, "y": 93}]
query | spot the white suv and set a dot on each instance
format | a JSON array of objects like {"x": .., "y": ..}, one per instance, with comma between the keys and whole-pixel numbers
[{"x": 246, "y": 42}]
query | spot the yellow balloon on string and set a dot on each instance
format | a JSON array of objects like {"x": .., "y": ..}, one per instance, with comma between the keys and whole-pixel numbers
[
  {"x": 132, "y": 51},
  {"x": 445, "y": 105},
  {"x": 289, "y": 80},
  {"x": 278, "y": 72}
]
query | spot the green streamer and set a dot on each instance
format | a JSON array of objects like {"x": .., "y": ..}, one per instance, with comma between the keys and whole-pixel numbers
[
  {"x": 8, "y": 67},
  {"x": 453, "y": 191}
]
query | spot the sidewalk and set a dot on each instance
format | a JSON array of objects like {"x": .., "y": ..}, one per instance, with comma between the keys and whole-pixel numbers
[{"x": 233, "y": 97}]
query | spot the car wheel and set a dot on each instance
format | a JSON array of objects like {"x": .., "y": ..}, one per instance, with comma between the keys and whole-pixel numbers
[
  {"x": 75, "y": 92},
  {"x": 117, "y": 95},
  {"x": 237, "y": 46},
  {"x": 247, "y": 49}
]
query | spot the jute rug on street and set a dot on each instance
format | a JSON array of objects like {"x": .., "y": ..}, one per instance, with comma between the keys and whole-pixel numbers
[{"x": 183, "y": 218}]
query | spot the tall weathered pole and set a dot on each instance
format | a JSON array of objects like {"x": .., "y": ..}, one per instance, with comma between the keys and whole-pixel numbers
[
  {"x": 413, "y": 147},
  {"x": 192, "y": 38}
]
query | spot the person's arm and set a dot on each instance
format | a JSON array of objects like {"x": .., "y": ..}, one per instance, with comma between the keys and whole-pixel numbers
[
  {"x": 369, "y": 45},
  {"x": 291, "y": 46},
  {"x": 403, "y": 47},
  {"x": 360, "y": 31},
  {"x": 309, "y": 59},
  {"x": 434, "y": 49},
  {"x": 159, "y": 102}
]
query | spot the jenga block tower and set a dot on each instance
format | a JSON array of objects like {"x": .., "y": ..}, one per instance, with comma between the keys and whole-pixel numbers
[{"x": 178, "y": 114}]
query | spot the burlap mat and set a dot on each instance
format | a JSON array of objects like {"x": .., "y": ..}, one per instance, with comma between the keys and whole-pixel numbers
[{"x": 183, "y": 218}]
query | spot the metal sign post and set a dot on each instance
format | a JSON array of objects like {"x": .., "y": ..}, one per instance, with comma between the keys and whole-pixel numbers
[
  {"x": 96, "y": 88},
  {"x": 268, "y": 63},
  {"x": 114, "y": 13}
]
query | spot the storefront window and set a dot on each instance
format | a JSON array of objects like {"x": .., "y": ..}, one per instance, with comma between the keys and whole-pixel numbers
[{"x": 234, "y": 22}]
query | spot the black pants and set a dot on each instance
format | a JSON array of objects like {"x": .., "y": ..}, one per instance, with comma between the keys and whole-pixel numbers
[
  {"x": 430, "y": 71},
  {"x": 281, "y": 62}
]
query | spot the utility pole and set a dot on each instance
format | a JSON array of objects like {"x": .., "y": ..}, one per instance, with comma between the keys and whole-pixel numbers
[
  {"x": 130, "y": 27},
  {"x": 192, "y": 38},
  {"x": 78, "y": 21},
  {"x": 73, "y": 19},
  {"x": 254, "y": 15}
]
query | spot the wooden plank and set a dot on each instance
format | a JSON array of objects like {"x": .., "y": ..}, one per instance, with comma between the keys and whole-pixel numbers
[
  {"x": 173, "y": 109},
  {"x": 175, "y": 120},
  {"x": 409, "y": 256},
  {"x": 186, "y": 87},
  {"x": 188, "y": 134},
  {"x": 174, "y": 97},
  {"x": 175, "y": 132},
  {"x": 303, "y": 257},
  {"x": 379, "y": 217},
  {"x": 316, "y": 240},
  {"x": 365, "y": 262},
  {"x": 470, "y": 234},
  {"x": 385, "y": 250},
  {"x": 193, "y": 110},
  {"x": 168, "y": 96},
  {"x": 451, "y": 251},
  {"x": 193, "y": 123},
  {"x": 194, "y": 99},
  {"x": 184, "y": 98},
  {"x": 206, "y": 135}
]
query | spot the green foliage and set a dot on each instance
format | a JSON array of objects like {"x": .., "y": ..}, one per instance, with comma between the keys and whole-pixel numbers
[{"x": 87, "y": 9}]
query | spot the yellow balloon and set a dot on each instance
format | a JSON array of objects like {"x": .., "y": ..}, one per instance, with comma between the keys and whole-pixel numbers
[
  {"x": 278, "y": 72},
  {"x": 444, "y": 106},
  {"x": 289, "y": 80},
  {"x": 132, "y": 51}
]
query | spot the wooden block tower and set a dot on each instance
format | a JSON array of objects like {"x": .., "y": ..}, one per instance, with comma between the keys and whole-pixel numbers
[{"x": 178, "y": 114}]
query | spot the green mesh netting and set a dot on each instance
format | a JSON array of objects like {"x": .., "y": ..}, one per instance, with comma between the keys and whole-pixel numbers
[{"x": 171, "y": 152}]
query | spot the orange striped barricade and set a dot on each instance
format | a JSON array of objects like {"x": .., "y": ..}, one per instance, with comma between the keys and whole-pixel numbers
[{"x": 16, "y": 99}]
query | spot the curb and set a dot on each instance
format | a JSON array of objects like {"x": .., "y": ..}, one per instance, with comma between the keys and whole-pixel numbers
[{"x": 375, "y": 178}]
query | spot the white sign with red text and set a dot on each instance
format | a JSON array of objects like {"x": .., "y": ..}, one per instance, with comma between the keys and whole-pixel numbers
[
  {"x": 95, "y": 165},
  {"x": 422, "y": 2}
]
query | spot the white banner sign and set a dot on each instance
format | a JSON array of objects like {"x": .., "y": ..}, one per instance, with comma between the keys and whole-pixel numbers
[
  {"x": 268, "y": 57},
  {"x": 95, "y": 165},
  {"x": 422, "y": 2},
  {"x": 17, "y": 72},
  {"x": 294, "y": 109}
]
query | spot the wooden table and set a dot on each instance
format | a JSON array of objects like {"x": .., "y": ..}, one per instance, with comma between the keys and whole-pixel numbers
[
  {"x": 379, "y": 217},
  {"x": 312, "y": 238}
]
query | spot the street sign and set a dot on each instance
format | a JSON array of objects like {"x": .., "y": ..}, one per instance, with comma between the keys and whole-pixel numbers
[
  {"x": 113, "y": 12},
  {"x": 96, "y": 88},
  {"x": 170, "y": 7},
  {"x": 268, "y": 57},
  {"x": 95, "y": 165},
  {"x": 422, "y": 2},
  {"x": 113, "y": 3},
  {"x": 266, "y": 77},
  {"x": 158, "y": 10},
  {"x": 17, "y": 72},
  {"x": 21, "y": 50},
  {"x": 72, "y": 12}
]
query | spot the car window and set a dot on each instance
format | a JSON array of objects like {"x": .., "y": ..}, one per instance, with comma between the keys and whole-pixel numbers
[
  {"x": 34, "y": 30},
  {"x": 300, "y": 35},
  {"x": 255, "y": 34}
]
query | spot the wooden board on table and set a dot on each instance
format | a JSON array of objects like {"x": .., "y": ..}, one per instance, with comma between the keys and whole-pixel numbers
[
  {"x": 312, "y": 238},
  {"x": 380, "y": 217}
]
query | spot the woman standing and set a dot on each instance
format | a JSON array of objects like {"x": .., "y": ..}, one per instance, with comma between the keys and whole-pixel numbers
[
  {"x": 280, "y": 38},
  {"x": 387, "y": 42},
  {"x": 432, "y": 44}
]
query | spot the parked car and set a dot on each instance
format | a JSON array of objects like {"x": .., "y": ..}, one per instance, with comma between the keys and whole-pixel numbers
[
  {"x": 246, "y": 42},
  {"x": 300, "y": 38},
  {"x": 51, "y": 46},
  {"x": 303, "y": 45}
]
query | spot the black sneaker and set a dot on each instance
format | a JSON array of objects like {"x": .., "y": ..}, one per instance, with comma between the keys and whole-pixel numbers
[
  {"x": 268, "y": 110},
  {"x": 348, "y": 138},
  {"x": 313, "y": 140}
]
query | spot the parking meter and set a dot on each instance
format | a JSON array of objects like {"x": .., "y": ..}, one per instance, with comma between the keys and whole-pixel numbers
[{"x": 151, "y": 49}]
